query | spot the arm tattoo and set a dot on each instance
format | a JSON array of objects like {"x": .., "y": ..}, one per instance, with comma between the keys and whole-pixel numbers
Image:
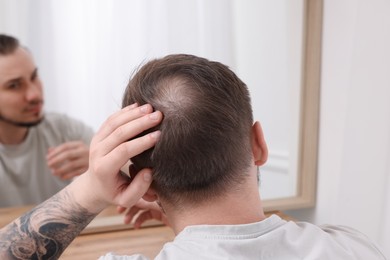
[{"x": 45, "y": 231}]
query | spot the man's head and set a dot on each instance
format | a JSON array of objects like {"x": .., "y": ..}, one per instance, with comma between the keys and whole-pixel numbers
[
  {"x": 21, "y": 96},
  {"x": 205, "y": 145}
]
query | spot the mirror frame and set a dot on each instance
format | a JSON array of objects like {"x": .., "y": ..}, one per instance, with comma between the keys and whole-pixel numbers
[{"x": 309, "y": 113}]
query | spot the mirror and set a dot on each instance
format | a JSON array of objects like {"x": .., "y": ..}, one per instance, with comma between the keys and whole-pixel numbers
[
  {"x": 306, "y": 149},
  {"x": 87, "y": 50}
]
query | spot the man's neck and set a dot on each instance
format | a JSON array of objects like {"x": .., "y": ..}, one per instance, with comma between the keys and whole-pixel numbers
[
  {"x": 231, "y": 209},
  {"x": 12, "y": 135}
]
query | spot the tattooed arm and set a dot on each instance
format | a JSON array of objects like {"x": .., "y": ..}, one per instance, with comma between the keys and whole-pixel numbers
[{"x": 46, "y": 231}]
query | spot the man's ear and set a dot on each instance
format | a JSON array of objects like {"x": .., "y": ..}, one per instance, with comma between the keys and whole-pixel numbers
[
  {"x": 150, "y": 195},
  {"x": 259, "y": 146}
]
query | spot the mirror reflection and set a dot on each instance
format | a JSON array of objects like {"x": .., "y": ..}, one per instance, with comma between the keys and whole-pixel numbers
[{"x": 86, "y": 51}]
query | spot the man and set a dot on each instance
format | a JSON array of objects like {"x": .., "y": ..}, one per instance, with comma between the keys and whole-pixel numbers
[
  {"x": 204, "y": 168},
  {"x": 39, "y": 153}
]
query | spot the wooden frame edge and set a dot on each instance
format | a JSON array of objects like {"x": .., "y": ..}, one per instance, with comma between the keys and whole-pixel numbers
[{"x": 310, "y": 106}]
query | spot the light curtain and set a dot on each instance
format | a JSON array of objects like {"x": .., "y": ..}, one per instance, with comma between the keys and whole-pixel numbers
[{"x": 86, "y": 50}]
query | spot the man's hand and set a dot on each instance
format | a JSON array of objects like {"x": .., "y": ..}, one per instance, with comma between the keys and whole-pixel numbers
[
  {"x": 68, "y": 159},
  {"x": 143, "y": 211},
  {"x": 110, "y": 149}
]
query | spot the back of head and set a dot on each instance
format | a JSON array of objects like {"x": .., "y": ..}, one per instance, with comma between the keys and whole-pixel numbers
[
  {"x": 8, "y": 44},
  {"x": 204, "y": 148}
]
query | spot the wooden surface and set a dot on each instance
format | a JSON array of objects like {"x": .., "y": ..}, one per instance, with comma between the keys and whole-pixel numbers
[
  {"x": 147, "y": 241},
  {"x": 107, "y": 233}
]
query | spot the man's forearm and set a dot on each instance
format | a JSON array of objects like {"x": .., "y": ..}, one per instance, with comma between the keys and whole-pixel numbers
[{"x": 45, "y": 231}]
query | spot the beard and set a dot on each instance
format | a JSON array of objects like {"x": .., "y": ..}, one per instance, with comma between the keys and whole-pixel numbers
[{"x": 21, "y": 124}]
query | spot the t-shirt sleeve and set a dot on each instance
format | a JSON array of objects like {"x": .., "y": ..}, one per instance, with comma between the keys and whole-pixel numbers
[
  {"x": 349, "y": 237},
  {"x": 74, "y": 130}
]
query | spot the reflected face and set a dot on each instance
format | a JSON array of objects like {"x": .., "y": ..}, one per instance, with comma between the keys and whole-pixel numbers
[{"x": 21, "y": 95}]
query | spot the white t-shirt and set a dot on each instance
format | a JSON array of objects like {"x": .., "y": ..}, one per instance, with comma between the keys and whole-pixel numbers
[
  {"x": 24, "y": 175},
  {"x": 272, "y": 238}
]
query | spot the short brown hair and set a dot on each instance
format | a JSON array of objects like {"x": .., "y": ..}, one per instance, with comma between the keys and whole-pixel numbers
[
  {"x": 204, "y": 148},
  {"x": 8, "y": 44}
]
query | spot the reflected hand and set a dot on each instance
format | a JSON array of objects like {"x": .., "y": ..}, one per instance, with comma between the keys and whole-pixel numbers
[
  {"x": 143, "y": 211},
  {"x": 68, "y": 159}
]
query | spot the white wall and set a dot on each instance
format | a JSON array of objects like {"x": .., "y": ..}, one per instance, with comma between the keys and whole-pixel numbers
[{"x": 354, "y": 147}]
